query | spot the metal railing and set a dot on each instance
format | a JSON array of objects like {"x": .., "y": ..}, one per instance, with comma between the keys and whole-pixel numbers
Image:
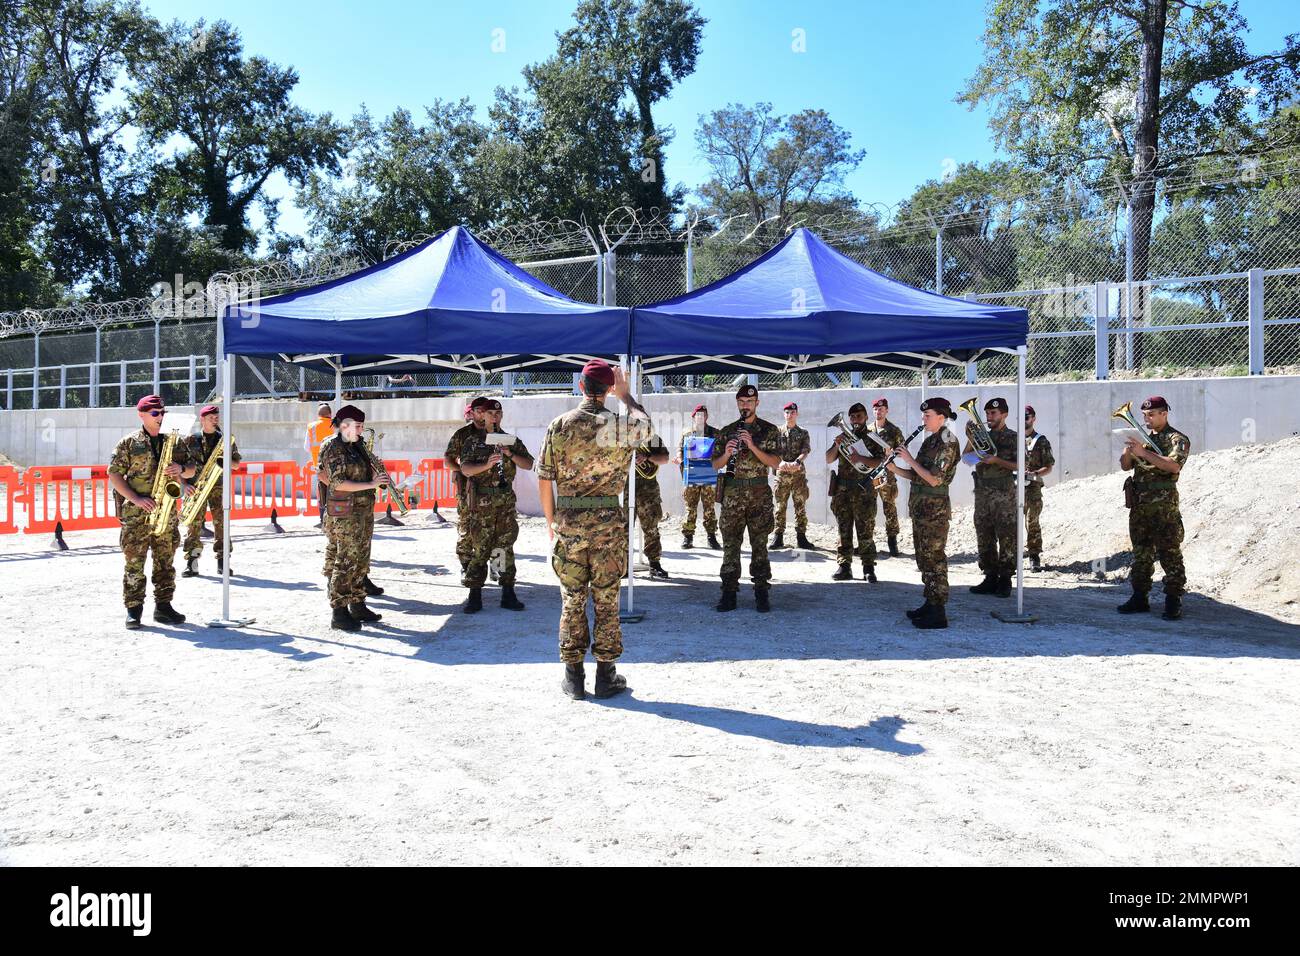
[{"x": 91, "y": 381}]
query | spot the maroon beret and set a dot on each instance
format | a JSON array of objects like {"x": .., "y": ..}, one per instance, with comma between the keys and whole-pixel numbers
[
  {"x": 493, "y": 405},
  {"x": 700, "y": 408},
  {"x": 599, "y": 371},
  {"x": 790, "y": 407},
  {"x": 148, "y": 403},
  {"x": 880, "y": 401},
  {"x": 747, "y": 391},
  {"x": 481, "y": 403},
  {"x": 209, "y": 410},
  {"x": 1029, "y": 410},
  {"x": 349, "y": 411},
  {"x": 1154, "y": 404}
]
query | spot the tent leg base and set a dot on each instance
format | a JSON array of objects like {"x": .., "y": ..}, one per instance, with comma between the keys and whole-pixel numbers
[
  {"x": 631, "y": 617},
  {"x": 1011, "y": 617},
  {"x": 231, "y": 621}
]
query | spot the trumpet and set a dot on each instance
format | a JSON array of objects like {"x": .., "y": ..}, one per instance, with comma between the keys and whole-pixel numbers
[
  {"x": 977, "y": 431},
  {"x": 846, "y": 448},
  {"x": 1125, "y": 414},
  {"x": 196, "y": 502},
  {"x": 166, "y": 490}
]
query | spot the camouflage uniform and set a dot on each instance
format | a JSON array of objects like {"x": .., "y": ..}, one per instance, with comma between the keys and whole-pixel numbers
[
  {"x": 322, "y": 493},
  {"x": 489, "y": 523},
  {"x": 349, "y": 535},
  {"x": 199, "y": 448},
  {"x": 854, "y": 506},
  {"x": 465, "y": 439},
  {"x": 586, "y": 453},
  {"x": 747, "y": 506},
  {"x": 995, "y": 509},
  {"x": 930, "y": 511},
  {"x": 792, "y": 484},
  {"x": 135, "y": 458},
  {"x": 705, "y": 496},
  {"x": 1155, "y": 525},
  {"x": 649, "y": 502},
  {"x": 1038, "y": 454},
  {"x": 892, "y": 436}
]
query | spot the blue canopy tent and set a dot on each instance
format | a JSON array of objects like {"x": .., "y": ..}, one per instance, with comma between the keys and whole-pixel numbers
[{"x": 802, "y": 306}]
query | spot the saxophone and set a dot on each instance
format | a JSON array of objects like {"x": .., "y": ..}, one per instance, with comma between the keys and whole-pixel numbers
[
  {"x": 166, "y": 490},
  {"x": 395, "y": 493},
  {"x": 196, "y": 502}
]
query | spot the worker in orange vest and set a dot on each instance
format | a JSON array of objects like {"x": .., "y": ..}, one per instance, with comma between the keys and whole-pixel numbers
[{"x": 317, "y": 432}]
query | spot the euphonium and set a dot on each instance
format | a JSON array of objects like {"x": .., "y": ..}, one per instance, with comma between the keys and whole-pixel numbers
[
  {"x": 977, "y": 431},
  {"x": 166, "y": 490},
  {"x": 846, "y": 448},
  {"x": 1125, "y": 414},
  {"x": 196, "y": 502}
]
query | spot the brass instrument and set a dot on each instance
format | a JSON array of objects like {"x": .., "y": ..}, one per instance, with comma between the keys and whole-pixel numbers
[
  {"x": 166, "y": 490},
  {"x": 196, "y": 502},
  {"x": 880, "y": 474},
  {"x": 846, "y": 448},
  {"x": 646, "y": 469},
  {"x": 1125, "y": 414},
  {"x": 977, "y": 431},
  {"x": 393, "y": 490}
]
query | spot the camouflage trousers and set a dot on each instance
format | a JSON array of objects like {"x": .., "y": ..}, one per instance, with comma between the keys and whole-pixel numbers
[
  {"x": 349, "y": 536},
  {"x": 137, "y": 544},
  {"x": 488, "y": 532},
  {"x": 193, "y": 534},
  {"x": 888, "y": 495},
  {"x": 1156, "y": 530},
  {"x": 588, "y": 556},
  {"x": 995, "y": 530},
  {"x": 854, "y": 507},
  {"x": 706, "y": 497},
  {"x": 792, "y": 484},
  {"x": 746, "y": 509},
  {"x": 930, "y": 515},
  {"x": 649, "y": 512},
  {"x": 1033, "y": 510}
]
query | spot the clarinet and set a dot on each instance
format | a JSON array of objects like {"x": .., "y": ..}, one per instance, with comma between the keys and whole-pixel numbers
[{"x": 879, "y": 474}]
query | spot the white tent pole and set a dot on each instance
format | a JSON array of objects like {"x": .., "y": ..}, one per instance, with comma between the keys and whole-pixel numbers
[
  {"x": 629, "y": 365},
  {"x": 1020, "y": 482},
  {"x": 925, "y": 376},
  {"x": 225, "y": 486}
]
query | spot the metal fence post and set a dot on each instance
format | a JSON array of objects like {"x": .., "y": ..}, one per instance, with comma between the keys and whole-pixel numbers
[
  {"x": 855, "y": 379},
  {"x": 9, "y": 390},
  {"x": 1101, "y": 330},
  {"x": 690, "y": 264},
  {"x": 576, "y": 376},
  {"x": 1255, "y": 299},
  {"x": 611, "y": 278},
  {"x": 94, "y": 373},
  {"x": 36, "y": 370},
  {"x": 121, "y": 389},
  {"x": 507, "y": 384},
  {"x": 938, "y": 260},
  {"x": 157, "y": 358},
  {"x": 63, "y": 386},
  {"x": 192, "y": 379}
]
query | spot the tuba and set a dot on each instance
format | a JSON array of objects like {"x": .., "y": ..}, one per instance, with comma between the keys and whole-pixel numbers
[
  {"x": 1125, "y": 414},
  {"x": 196, "y": 502},
  {"x": 166, "y": 490},
  {"x": 977, "y": 432},
  {"x": 840, "y": 422}
]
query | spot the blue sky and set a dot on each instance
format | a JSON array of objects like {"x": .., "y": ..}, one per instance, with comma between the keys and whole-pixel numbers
[{"x": 886, "y": 71}]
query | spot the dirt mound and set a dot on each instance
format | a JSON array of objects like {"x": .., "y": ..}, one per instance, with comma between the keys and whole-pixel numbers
[{"x": 1241, "y": 517}]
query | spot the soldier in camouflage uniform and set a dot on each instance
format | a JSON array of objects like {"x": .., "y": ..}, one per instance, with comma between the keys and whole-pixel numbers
[
  {"x": 1155, "y": 525},
  {"x": 585, "y": 458},
  {"x": 854, "y": 500},
  {"x": 199, "y": 448},
  {"x": 995, "y": 503},
  {"x": 469, "y": 437},
  {"x": 131, "y": 473},
  {"x": 892, "y": 436},
  {"x": 792, "y": 478},
  {"x": 650, "y": 454},
  {"x": 749, "y": 447},
  {"x": 703, "y": 496},
  {"x": 1038, "y": 465},
  {"x": 351, "y": 475},
  {"x": 931, "y": 474}
]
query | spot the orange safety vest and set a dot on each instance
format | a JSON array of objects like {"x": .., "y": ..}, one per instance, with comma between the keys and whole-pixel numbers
[{"x": 317, "y": 434}]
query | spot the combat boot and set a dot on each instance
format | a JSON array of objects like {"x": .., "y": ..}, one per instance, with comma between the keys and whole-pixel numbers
[
  {"x": 608, "y": 680},
  {"x": 1173, "y": 607},
  {"x": 687, "y": 542},
  {"x": 360, "y": 612},
  {"x": 1035, "y": 563},
  {"x": 801, "y": 539},
  {"x": 191, "y": 568},
  {"x": 220, "y": 566},
  {"x": 474, "y": 603},
  {"x": 843, "y": 573},
  {"x": 988, "y": 586},
  {"x": 918, "y": 612},
  {"x": 657, "y": 570},
  {"x": 1135, "y": 604},
  {"x": 508, "y": 599},
  {"x": 575, "y": 679},
  {"x": 869, "y": 571},
  {"x": 1004, "y": 586},
  {"x": 164, "y": 613},
  {"x": 372, "y": 589},
  {"x": 778, "y": 542},
  {"x": 932, "y": 618},
  {"x": 761, "y": 604},
  {"x": 727, "y": 602},
  {"x": 133, "y": 616},
  {"x": 713, "y": 542},
  {"x": 343, "y": 621},
  {"x": 893, "y": 545}
]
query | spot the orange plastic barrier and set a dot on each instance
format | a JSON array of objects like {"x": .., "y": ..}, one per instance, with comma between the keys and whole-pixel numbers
[
  {"x": 436, "y": 486},
  {"x": 308, "y": 480},
  {"x": 78, "y": 496},
  {"x": 12, "y": 483},
  {"x": 259, "y": 487}
]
